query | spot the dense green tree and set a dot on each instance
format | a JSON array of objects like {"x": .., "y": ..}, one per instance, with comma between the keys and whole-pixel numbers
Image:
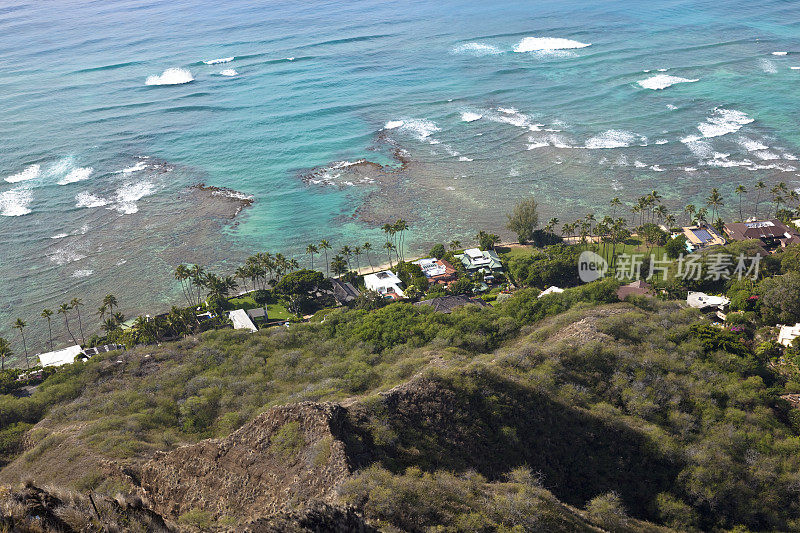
[{"x": 524, "y": 219}]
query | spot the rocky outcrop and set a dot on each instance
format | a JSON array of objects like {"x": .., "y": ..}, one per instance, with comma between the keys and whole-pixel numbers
[
  {"x": 315, "y": 518},
  {"x": 283, "y": 459}
]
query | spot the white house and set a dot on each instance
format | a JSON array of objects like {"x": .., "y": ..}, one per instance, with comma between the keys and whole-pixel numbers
[
  {"x": 60, "y": 357},
  {"x": 701, "y": 300},
  {"x": 386, "y": 283},
  {"x": 550, "y": 290},
  {"x": 241, "y": 320},
  {"x": 788, "y": 333}
]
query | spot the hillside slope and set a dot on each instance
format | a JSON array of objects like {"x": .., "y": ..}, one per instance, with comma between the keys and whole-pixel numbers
[{"x": 572, "y": 416}]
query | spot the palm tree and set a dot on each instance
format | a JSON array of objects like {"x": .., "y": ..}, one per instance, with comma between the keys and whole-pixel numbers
[
  {"x": 388, "y": 246},
  {"x": 64, "y": 309},
  {"x": 714, "y": 201},
  {"x": 5, "y": 351},
  {"x": 740, "y": 192},
  {"x": 367, "y": 247},
  {"x": 759, "y": 187},
  {"x": 47, "y": 313},
  {"x": 311, "y": 250},
  {"x": 109, "y": 325},
  {"x": 324, "y": 245},
  {"x": 76, "y": 304},
  {"x": 197, "y": 274},
  {"x": 357, "y": 253},
  {"x": 182, "y": 274},
  {"x": 243, "y": 273},
  {"x": 401, "y": 226},
  {"x": 346, "y": 252},
  {"x": 615, "y": 203},
  {"x": 110, "y": 301},
  {"x": 338, "y": 265},
  {"x": 690, "y": 210},
  {"x": 20, "y": 325},
  {"x": 455, "y": 245},
  {"x": 551, "y": 224}
]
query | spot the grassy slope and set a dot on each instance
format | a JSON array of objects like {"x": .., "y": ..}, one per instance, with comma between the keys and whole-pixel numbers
[{"x": 692, "y": 416}]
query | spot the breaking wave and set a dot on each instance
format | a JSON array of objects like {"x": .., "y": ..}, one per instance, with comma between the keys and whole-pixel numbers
[
  {"x": 476, "y": 49},
  {"x": 85, "y": 199},
  {"x": 129, "y": 194},
  {"x": 723, "y": 121},
  {"x": 662, "y": 81},
  {"x": 422, "y": 129},
  {"x": 29, "y": 173},
  {"x": 468, "y": 116},
  {"x": 171, "y": 76},
  {"x": 229, "y": 72},
  {"x": 218, "y": 61},
  {"x": 547, "y": 44},
  {"x": 15, "y": 202},
  {"x": 613, "y": 139},
  {"x": 75, "y": 175}
]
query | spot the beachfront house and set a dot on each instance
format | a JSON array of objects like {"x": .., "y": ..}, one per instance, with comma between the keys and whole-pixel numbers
[
  {"x": 385, "y": 283},
  {"x": 702, "y": 236},
  {"x": 437, "y": 270},
  {"x": 788, "y": 333},
  {"x": 343, "y": 292},
  {"x": 64, "y": 356},
  {"x": 241, "y": 320},
  {"x": 485, "y": 261},
  {"x": 771, "y": 233}
]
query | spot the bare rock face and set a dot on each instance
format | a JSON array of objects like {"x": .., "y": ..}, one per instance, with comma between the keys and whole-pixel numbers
[{"x": 287, "y": 456}]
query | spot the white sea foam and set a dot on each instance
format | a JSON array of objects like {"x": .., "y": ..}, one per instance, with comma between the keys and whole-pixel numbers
[
  {"x": 86, "y": 199},
  {"x": 639, "y": 164},
  {"x": 657, "y": 168},
  {"x": 82, "y": 273},
  {"x": 63, "y": 256},
  {"x": 538, "y": 144},
  {"x": 751, "y": 145},
  {"x": 766, "y": 155},
  {"x": 75, "y": 175},
  {"x": 465, "y": 158},
  {"x": 129, "y": 194},
  {"x": 218, "y": 61},
  {"x": 794, "y": 68},
  {"x": 662, "y": 81},
  {"x": 690, "y": 169},
  {"x": 60, "y": 235},
  {"x": 31, "y": 172},
  {"x": 613, "y": 139},
  {"x": 469, "y": 116},
  {"x": 779, "y": 53},
  {"x": 698, "y": 147},
  {"x": 476, "y": 49},
  {"x": 141, "y": 165},
  {"x": 547, "y": 44},
  {"x": 15, "y": 202},
  {"x": 512, "y": 117},
  {"x": 171, "y": 76},
  {"x": 672, "y": 107},
  {"x": 768, "y": 66},
  {"x": 229, "y": 72},
  {"x": 236, "y": 195},
  {"x": 422, "y": 129},
  {"x": 723, "y": 121},
  {"x": 661, "y": 141}
]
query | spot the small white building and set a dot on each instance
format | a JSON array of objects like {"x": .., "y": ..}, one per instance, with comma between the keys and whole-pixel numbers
[
  {"x": 701, "y": 300},
  {"x": 385, "y": 283},
  {"x": 550, "y": 290},
  {"x": 431, "y": 267},
  {"x": 60, "y": 357},
  {"x": 788, "y": 333},
  {"x": 241, "y": 320}
]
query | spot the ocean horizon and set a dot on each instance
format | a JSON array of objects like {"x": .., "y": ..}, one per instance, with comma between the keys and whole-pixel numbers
[{"x": 334, "y": 118}]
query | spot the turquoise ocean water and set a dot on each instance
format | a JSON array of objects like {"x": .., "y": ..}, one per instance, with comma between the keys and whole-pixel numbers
[{"x": 573, "y": 101}]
